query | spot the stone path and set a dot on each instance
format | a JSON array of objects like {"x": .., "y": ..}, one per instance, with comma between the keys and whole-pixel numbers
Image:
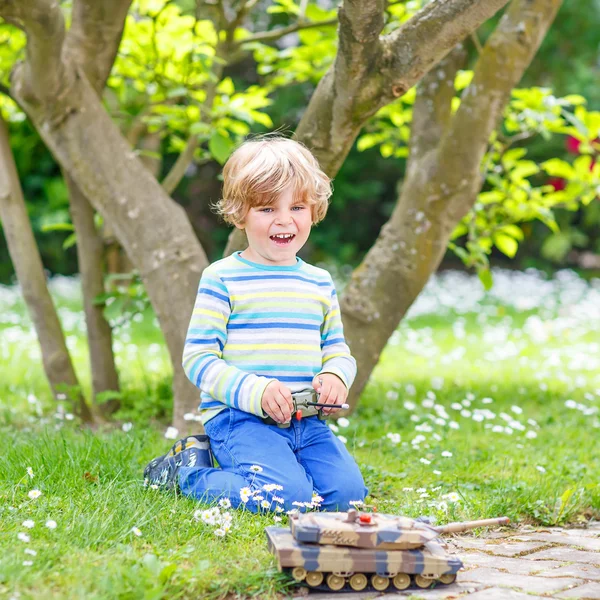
[{"x": 515, "y": 565}]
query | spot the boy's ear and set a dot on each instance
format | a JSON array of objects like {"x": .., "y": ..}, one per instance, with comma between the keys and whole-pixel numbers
[{"x": 239, "y": 225}]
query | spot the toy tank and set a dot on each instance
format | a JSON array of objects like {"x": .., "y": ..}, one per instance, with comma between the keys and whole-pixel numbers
[{"x": 352, "y": 550}]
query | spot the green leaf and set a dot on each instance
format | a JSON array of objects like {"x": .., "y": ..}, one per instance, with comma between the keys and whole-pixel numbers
[
  {"x": 574, "y": 99},
  {"x": 107, "y": 395},
  {"x": 70, "y": 241},
  {"x": 57, "y": 227},
  {"x": 513, "y": 231},
  {"x": 462, "y": 80},
  {"x": 367, "y": 141},
  {"x": 555, "y": 167},
  {"x": 115, "y": 309},
  {"x": 491, "y": 197},
  {"x": 460, "y": 230},
  {"x": 564, "y": 500},
  {"x": 386, "y": 150},
  {"x": 524, "y": 169},
  {"x": 506, "y": 244},
  {"x": 220, "y": 147},
  {"x": 226, "y": 87},
  {"x": 510, "y": 157},
  {"x": 485, "y": 276},
  {"x": 167, "y": 572}
]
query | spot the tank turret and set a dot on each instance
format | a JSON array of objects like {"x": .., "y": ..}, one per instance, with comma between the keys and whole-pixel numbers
[{"x": 352, "y": 550}]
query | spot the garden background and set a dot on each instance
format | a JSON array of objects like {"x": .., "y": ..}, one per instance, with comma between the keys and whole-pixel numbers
[{"x": 484, "y": 396}]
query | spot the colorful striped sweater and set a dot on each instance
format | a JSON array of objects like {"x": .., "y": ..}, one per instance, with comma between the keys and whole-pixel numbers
[{"x": 253, "y": 323}]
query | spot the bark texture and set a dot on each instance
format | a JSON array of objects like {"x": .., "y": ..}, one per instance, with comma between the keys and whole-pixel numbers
[
  {"x": 442, "y": 182},
  {"x": 90, "y": 257},
  {"x": 30, "y": 273},
  {"x": 92, "y": 43}
]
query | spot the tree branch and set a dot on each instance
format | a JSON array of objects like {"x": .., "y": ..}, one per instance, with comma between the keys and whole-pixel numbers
[
  {"x": 339, "y": 109},
  {"x": 436, "y": 194},
  {"x": 427, "y": 37},
  {"x": 239, "y": 18},
  {"x": 275, "y": 34},
  {"x": 175, "y": 175},
  {"x": 506, "y": 55},
  {"x": 433, "y": 106},
  {"x": 42, "y": 75},
  {"x": 94, "y": 37}
]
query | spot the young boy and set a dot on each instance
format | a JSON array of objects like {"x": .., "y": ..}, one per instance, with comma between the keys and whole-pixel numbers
[{"x": 265, "y": 325}]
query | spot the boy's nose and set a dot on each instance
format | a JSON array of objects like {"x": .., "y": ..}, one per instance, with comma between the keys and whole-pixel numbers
[{"x": 283, "y": 219}]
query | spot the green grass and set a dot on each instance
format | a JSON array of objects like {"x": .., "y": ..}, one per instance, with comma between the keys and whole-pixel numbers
[{"x": 91, "y": 480}]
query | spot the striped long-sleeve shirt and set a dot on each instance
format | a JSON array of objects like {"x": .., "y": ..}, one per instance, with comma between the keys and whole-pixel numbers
[{"x": 253, "y": 323}]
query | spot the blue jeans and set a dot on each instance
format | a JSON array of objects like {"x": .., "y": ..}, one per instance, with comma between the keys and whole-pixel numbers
[{"x": 306, "y": 456}]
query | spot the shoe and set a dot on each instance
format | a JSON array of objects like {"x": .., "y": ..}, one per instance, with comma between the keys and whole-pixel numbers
[
  {"x": 201, "y": 442},
  {"x": 152, "y": 465},
  {"x": 193, "y": 451}
]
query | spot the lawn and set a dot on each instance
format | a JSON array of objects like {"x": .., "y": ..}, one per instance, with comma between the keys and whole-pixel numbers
[{"x": 483, "y": 404}]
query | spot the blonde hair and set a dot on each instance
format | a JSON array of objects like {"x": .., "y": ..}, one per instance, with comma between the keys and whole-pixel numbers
[{"x": 260, "y": 169}]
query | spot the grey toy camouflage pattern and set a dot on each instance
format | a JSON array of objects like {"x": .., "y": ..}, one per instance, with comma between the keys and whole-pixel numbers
[
  {"x": 384, "y": 532},
  {"x": 351, "y": 550}
]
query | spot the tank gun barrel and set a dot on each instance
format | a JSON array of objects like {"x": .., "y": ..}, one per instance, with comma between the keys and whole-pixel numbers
[{"x": 459, "y": 527}]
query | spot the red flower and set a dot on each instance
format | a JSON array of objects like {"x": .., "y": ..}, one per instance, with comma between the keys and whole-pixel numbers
[
  {"x": 558, "y": 183},
  {"x": 572, "y": 145}
]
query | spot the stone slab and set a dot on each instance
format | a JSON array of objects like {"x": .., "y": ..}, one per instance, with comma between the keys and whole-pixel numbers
[
  {"x": 518, "y": 566},
  {"x": 575, "y": 570},
  {"x": 445, "y": 592},
  {"x": 527, "y": 583},
  {"x": 497, "y": 593},
  {"x": 585, "y": 542},
  {"x": 567, "y": 554},
  {"x": 592, "y": 530},
  {"x": 589, "y": 591},
  {"x": 500, "y": 548}
]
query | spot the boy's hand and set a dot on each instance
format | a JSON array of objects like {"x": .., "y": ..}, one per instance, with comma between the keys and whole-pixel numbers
[
  {"x": 277, "y": 402},
  {"x": 332, "y": 391}
]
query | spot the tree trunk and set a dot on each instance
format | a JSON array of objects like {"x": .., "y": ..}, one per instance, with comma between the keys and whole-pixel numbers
[
  {"x": 153, "y": 229},
  {"x": 30, "y": 273},
  {"x": 442, "y": 182},
  {"x": 90, "y": 250}
]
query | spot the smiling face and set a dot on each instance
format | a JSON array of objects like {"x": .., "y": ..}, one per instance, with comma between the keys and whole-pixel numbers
[{"x": 277, "y": 231}]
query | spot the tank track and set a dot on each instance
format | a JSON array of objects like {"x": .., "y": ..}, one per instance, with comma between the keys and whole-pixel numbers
[{"x": 391, "y": 588}]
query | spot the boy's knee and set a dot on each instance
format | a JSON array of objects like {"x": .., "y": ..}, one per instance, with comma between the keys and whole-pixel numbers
[
  {"x": 346, "y": 490},
  {"x": 297, "y": 494}
]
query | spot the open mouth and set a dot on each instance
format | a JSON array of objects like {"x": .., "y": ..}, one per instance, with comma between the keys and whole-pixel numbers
[{"x": 283, "y": 239}]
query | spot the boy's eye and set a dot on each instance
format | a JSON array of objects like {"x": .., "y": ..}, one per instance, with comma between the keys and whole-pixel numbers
[
  {"x": 265, "y": 209},
  {"x": 299, "y": 207}
]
